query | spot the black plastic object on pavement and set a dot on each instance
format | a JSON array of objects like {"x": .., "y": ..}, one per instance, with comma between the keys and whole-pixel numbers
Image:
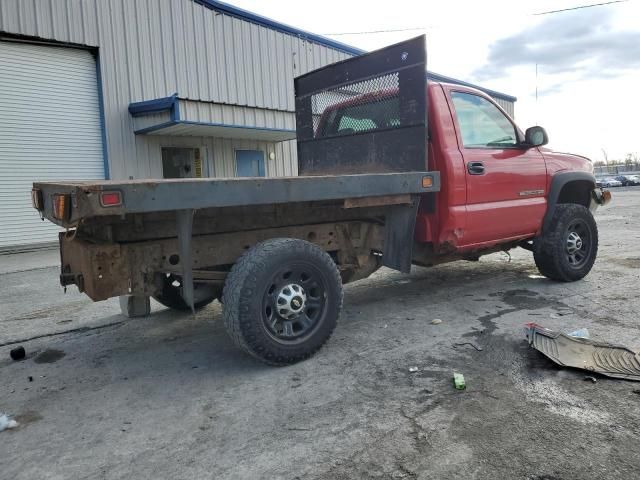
[
  {"x": 17, "y": 353},
  {"x": 604, "y": 358}
]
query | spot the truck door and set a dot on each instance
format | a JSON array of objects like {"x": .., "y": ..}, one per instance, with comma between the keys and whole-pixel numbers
[{"x": 505, "y": 182}]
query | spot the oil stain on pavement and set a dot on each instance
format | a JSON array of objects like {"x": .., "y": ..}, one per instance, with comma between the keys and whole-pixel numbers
[{"x": 50, "y": 355}]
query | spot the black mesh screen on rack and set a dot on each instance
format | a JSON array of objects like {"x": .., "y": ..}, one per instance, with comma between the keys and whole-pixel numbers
[{"x": 366, "y": 114}]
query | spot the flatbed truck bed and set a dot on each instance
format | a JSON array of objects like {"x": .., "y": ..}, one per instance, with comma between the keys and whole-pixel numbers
[{"x": 146, "y": 196}]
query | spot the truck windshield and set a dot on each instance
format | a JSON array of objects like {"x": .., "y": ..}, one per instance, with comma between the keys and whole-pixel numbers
[
  {"x": 361, "y": 117},
  {"x": 481, "y": 123}
]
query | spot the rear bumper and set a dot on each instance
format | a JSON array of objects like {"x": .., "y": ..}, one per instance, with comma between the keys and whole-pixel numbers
[{"x": 599, "y": 197}]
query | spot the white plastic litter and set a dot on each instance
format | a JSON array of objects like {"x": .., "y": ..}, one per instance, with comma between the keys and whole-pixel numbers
[
  {"x": 413, "y": 369},
  {"x": 6, "y": 422},
  {"x": 581, "y": 333},
  {"x": 436, "y": 321}
]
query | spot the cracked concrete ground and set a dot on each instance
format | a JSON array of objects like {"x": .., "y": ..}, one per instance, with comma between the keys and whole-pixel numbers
[{"x": 168, "y": 396}]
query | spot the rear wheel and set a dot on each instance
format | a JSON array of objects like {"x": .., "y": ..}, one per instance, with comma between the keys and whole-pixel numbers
[
  {"x": 567, "y": 250},
  {"x": 171, "y": 295},
  {"x": 282, "y": 300}
]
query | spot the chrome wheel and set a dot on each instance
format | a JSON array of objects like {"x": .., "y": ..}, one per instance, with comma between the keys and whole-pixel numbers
[
  {"x": 578, "y": 243},
  {"x": 294, "y": 303}
]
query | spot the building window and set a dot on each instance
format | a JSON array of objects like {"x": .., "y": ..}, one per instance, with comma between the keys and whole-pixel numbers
[
  {"x": 180, "y": 162},
  {"x": 249, "y": 163},
  {"x": 481, "y": 123}
]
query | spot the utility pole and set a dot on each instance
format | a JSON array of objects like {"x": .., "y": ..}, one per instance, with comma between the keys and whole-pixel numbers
[
  {"x": 606, "y": 159},
  {"x": 536, "y": 94}
]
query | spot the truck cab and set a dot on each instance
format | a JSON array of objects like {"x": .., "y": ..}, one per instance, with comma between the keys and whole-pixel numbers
[{"x": 499, "y": 185}]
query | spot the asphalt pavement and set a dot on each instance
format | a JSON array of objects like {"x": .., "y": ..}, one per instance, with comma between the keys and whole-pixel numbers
[{"x": 169, "y": 396}]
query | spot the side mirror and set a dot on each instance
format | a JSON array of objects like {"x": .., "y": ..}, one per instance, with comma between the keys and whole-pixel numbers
[{"x": 535, "y": 137}]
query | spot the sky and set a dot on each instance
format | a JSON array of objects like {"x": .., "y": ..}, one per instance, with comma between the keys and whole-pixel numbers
[{"x": 588, "y": 60}]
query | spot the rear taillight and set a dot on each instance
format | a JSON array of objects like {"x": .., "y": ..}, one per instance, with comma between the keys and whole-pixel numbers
[
  {"x": 37, "y": 200},
  {"x": 61, "y": 206},
  {"x": 110, "y": 199}
]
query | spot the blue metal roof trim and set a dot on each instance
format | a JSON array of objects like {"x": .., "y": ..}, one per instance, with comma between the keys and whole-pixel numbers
[
  {"x": 436, "y": 77},
  {"x": 171, "y": 123},
  {"x": 156, "y": 105},
  {"x": 280, "y": 27},
  {"x": 172, "y": 103}
]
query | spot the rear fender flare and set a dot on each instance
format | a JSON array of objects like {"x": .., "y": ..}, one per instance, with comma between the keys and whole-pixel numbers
[{"x": 558, "y": 181}]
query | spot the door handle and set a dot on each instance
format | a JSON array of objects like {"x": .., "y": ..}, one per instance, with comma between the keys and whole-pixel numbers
[{"x": 475, "y": 168}]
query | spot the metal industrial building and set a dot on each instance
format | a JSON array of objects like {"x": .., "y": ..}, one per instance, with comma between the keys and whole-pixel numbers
[{"x": 120, "y": 89}]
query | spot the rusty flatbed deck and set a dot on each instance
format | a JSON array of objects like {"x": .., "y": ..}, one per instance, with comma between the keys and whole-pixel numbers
[{"x": 141, "y": 196}]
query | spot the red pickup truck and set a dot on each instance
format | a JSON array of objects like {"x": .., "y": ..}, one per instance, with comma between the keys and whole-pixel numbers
[{"x": 393, "y": 173}]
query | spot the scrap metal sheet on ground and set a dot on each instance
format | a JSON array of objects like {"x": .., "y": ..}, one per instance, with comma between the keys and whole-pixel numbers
[{"x": 611, "y": 360}]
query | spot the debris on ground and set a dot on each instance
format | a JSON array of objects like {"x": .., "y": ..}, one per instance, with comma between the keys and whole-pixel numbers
[
  {"x": 506, "y": 256},
  {"x": 6, "y": 422},
  {"x": 590, "y": 378},
  {"x": 413, "y": 369},
  {"x": 461, "y": 344},
  {"x": 458, "y": 381},
  {"x": 607, "y": 359},
  {"x": 17, "y": 353},
  {"x": 581, "y": 333},
  {"x": 436, "y": 321}
]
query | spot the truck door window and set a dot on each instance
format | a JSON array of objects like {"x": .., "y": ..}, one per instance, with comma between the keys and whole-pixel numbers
[{"x": 481, "y": 123}]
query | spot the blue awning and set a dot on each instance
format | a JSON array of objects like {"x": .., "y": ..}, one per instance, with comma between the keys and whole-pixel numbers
[{"x": 161, "y": 116}]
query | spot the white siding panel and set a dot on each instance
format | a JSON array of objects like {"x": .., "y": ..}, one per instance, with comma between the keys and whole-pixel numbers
[
  {"x": 49, "y": 130},
  {"x": 209, "y": 112},
  {"x": 152, "y": 120}
]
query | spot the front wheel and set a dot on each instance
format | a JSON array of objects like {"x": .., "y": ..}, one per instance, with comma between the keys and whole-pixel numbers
[
  {"x": 567, "y": 250},
  {"x": 282, "y": 300}
]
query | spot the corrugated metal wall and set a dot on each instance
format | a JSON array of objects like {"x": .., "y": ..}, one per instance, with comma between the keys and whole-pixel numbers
[
  {"x": 219, "y": 153},
  {"x": 154, "y": 48},
  {"x": 236, "y": 115}
]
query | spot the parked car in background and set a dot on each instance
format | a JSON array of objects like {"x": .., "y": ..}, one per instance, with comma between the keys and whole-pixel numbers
[
  {"x": 608, "y": 182},
  {"x": 628, "y": 180}
]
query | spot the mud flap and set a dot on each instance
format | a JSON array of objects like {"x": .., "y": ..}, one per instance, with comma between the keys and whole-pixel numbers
[
  {"x": 184, "y": 224},
  {"x": 611, "y": 360},
  {"x": 400, "y": 224}
]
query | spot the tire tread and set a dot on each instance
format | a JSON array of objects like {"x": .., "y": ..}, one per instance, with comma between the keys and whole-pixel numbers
[
  {"x": 549, "y": 249},
  {"x": 242, "y": 282}
]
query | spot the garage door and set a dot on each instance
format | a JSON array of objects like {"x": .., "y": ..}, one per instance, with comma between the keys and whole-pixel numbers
[{"x": 49, "y": 130}]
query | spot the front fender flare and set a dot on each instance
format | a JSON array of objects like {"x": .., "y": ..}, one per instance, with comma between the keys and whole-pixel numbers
[{"x": 558, "y": 181}]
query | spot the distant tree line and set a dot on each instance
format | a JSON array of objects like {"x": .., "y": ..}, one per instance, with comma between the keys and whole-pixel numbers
[{"x": 631, "y": 163}]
